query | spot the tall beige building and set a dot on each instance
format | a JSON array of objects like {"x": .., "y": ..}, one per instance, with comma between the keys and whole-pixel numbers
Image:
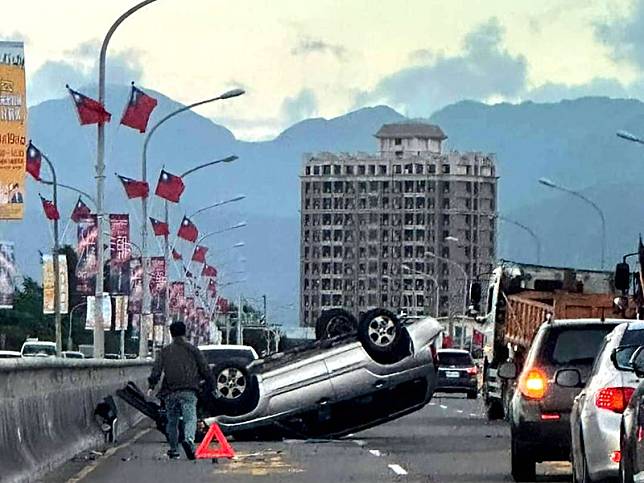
[{"x": 374, "y": 226}]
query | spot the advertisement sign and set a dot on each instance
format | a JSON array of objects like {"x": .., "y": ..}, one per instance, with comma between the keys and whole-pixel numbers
[
  {"x": 48, "y": 284},
  {"x": 148, "y": 325},
  {"x": 7, "y": 275},
  {"x": 120, "y": 254},
  {"x": 107, "y": 312},
  {"x": 87, "y": 267},
  {"x": 177, "y": 295},
  {"x": 120, "y": 312},
  {"x": 13, "y": 130},
  {"x": 135, "y": 304},
  {"x": 157, "y": 285}
]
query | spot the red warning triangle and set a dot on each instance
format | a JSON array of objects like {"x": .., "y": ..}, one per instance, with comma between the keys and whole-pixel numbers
[{"x": 224, "y": 451}]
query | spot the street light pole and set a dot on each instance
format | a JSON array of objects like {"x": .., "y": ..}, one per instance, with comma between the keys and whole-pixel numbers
[
  {"x": 69, "y": 332},
  {"x": 434, "y": 281},
  {"x": 466, "y": 277},
  {"x": 528, "y": 230},
  {"x": 99, "y": 337},
  {"x": 577, "y": 194}
]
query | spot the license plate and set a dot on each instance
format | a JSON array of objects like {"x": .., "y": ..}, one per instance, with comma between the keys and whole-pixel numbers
[{"x": 452, "y": 374}]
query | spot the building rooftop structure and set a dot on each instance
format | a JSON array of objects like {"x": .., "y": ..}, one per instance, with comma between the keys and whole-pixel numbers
[{"x": 411, "y": 130}]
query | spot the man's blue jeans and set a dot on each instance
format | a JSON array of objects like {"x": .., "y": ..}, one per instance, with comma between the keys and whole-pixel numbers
[{"x": 181, "y": 403}]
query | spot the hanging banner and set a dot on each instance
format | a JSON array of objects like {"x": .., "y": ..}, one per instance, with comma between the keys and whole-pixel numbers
[
  {"x": 13, "y": 130},
  {"x": 148, "y": 325},
  {"x": 120, "y": 252},
  {"x": 157, "y": 285},
  {"x": 201, "y": 317},
  {"x": 158, "y": 335},
  {"x": 48, "y": 284},
  {"x": 87, "y": 267},
  {"x": 7, "y": 275},
  {"x": 91, "y": 309},
  {"x": 135, "y": 304},
  {"x": 136, "y": 324},
  {"x": 177, "y": 295},
  {"x": 120, "y": 312}
]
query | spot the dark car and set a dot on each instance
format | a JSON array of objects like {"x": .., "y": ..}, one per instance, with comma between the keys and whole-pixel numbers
[
  {"x": 631, "y": 464},
  {"x": 457, "y": 372},
  {"x": 546, "y": 388}
]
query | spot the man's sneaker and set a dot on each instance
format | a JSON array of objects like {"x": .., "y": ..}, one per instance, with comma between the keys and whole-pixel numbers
[
  {"x": 173, "y": 455},
  {"x": 189, "y": 449}
]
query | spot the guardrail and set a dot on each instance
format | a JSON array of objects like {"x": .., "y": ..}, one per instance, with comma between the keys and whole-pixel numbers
[{"x": 47, "y": 410}]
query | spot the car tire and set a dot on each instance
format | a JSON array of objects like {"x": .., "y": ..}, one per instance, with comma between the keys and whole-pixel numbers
[
  {"x": 472, "y": 395},
  {"x": 235, "y": 390},
  {"x": 334, "y": 323},
  {"x": 381, "y": 334},
  {"x": 523, "y": 465}
]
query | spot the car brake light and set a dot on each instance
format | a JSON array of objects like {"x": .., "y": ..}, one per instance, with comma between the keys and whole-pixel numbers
[
  {"x": 616, "y": 456},
  {"x": 472, "y": 371},
  {"x": 614, "y": 398},
  {"x": 533, "y": 384},
  {"x": 550, "y": 417}
]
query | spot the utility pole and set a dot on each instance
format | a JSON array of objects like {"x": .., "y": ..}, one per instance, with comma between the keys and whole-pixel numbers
[
  {"x": 240, "y": 335},
  {"x": 265, "y": 316}
]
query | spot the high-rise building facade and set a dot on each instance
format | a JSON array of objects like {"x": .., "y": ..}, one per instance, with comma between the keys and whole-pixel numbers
[{"x": 404, "y": 229}]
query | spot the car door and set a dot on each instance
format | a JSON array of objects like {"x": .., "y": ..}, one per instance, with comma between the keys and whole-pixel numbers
[{"x": 349, "y": 372}]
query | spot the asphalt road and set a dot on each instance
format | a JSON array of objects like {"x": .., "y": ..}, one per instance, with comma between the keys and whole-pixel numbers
[{"x": 448, "y": 441}]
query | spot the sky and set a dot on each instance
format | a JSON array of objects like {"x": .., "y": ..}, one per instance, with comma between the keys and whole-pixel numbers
[{"x": 324, "y": 58}]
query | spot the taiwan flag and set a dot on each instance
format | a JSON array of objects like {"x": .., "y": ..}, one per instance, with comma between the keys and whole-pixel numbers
[
  {"x": 188, "y": 230},
  {"x": 34, "y": 161},
  {"x": 209, "y": 271},
  {"x": 138, "y": 110},
  {"x": 170, "y": 186},
  {"x": 134, "y": 188},
  {"x": 81, "y": 210},
  {"x": 176, "y": 255},
  {"x": 199, "y": 254},
  {"x": 89, "y": 110},
  {"x": 160, "y": 228},
  {"x": 212, "y": 288},
  {"x": 51, "y": 212}
]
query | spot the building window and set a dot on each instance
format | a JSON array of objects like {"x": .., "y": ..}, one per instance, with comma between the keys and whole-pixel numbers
[
  {"x": 308, "y": 170},
  {"x": 348, "y": 169},
  {"x": 316, "y": 170},
  {"x": 361, "y": 169},
  {"x": 446, "y": 169},
  {"x": 397, "y": 169},
  {"x": 398, "y": 141},
  {"x": 337, "y": 169},
  {"x": 326, "y": 169}
]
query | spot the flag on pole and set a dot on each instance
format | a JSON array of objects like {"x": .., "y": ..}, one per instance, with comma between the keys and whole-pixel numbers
[
  {"x": 160, "y": 228},
  {"x": 212, "y": 287},
  {"x": 81, "y": 210},
  {"x": 169, "y": 186},
  {"x": 138, "y": 109},
  {"x": 199, "y": 254},
  {"x": 188, "y": 230},
  {"x": 34, "y": 161},
  {"x": 176, "y": 255},
  {"x": 89, "y": 110},
  {"x": 51, "y": 212},
  {"x": 209, "y": 271},
  {"x": 134, "y": 188}
]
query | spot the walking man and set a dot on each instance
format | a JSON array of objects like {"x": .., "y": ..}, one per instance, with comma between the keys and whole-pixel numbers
[{"x": 183, "y": 367}]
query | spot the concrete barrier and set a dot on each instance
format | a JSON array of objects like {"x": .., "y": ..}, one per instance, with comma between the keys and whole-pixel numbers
[{"x": 47, "y": 410}]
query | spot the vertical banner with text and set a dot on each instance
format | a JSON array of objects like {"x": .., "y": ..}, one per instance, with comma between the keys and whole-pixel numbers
[
  {"x": 7, "y": 275},
  {"x": 157, "y": 285},
  {"x": 135, "y": 304},
  {"x": 177, "y": 296},
  {"x": 120, "y": 312},
  {"x": 87, "y": 266},
  {"x": 120, "y": 254},
  {"x": 48, "y": 284},
  {"x": 13, "y": 130},
  {"x": 91, "y": 311}
]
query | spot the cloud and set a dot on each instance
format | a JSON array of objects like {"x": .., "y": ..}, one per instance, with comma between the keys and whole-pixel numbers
[
  {"x": 484, "y": 70},
  {"x": 624, "y": 36},
  {"x": 309, "y": 45},
  {"x": 302, "y": 106},
  {"x": 80, "y": 69},
  {"x": 599, "y": 86}
]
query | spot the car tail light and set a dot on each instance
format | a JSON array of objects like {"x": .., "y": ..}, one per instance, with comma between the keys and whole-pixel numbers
[
  {"x": 533, "y": 384},
  {"x": 614, "y": 398},
  {"x": 550, "y": 417},
  {"x": 472, "y": 371},
  {"x": 616, "y": 456}
]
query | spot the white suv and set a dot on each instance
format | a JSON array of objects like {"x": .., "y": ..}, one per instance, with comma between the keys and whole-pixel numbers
[{"x": 38, "y": 348}]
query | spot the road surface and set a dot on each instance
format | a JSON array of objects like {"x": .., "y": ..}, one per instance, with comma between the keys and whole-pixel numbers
[{"x": 449, "y": 441}]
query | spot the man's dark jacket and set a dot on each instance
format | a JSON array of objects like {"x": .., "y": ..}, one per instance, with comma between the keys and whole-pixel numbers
[{"x": 183, "y": 367}]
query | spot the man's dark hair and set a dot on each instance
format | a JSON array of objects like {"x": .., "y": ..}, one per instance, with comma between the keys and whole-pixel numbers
[{"x": 177, "y": 329}]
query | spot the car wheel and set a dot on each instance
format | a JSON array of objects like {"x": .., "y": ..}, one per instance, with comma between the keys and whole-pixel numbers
[
  {"x": 522, "y": 462},
  {"x": 334, "y": 323},
  {"x": 380, "y": 332},
  {"x": 472, "y": 395},
  {"x": 235, "y": 390}
]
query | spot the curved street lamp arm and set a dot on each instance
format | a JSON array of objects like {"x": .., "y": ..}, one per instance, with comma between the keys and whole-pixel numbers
[
  {"x": 528, "y": 230},
  {"x": 601, "y": 217},
  {"x": 205, "y": 165},
  {"x": 71, "y": 188},
  {"x": 219, "y": 203}
]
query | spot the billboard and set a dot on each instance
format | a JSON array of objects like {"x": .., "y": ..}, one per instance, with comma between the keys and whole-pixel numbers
[
  {"x": 177, "y": 295},
  {"x": 120, "y": 252},
  {"x": 87, "y": 267},
  {"x": 107, "y": 312},
  {"x": 48, "y": 284},
  {"x": 7, "y": 275},
  {"x": 135, "y": 304},
  {"x": 13, "y": 130}
]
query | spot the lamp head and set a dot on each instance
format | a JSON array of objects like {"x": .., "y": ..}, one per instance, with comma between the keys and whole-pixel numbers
[
  {"x": 232, "y": 93},
  {"x": 547, "y": 182}
]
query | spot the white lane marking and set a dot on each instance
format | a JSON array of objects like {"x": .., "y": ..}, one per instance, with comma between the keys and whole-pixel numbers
[
  {"x": 399, "y": 470},
  {"x": 443, "y": 406},
  {"x": 459, "y": 411},
  {"x": 374, "y": 452},
  {"x": 473, "y": 415},
  {"x": 432, "y": 404}
]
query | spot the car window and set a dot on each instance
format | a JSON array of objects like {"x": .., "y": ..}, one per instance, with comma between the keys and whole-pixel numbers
[
  {"x": 31, "y": 350},
  {"x": 633, "y": 339},
  {"x": 569, "y": 345},
  {"x": 454, "y": 359},
  {"x": 215, "y": 356}
]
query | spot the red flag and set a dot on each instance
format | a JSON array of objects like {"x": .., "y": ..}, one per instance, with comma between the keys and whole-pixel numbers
[
  {"x": 477, "y": 338},
  {"x": 160, "y": 228},
  {"x": 34, "y": 161},
  {"x": 209, "y": 271},
  {"x": 89, "y": 111},
  {"x": 51, "y": 212},
  {"x": 199, "y": 254},
  {"x": 188, "y": 230},
  {"x": 138, "y": 110},
  {"x": 169, "y": 186},
  {"x": 176, "y": 255},
  {"x": 448, "y": 343},
  {"x": 134, "y": 188},
  {"x": 81, "y": 210}
]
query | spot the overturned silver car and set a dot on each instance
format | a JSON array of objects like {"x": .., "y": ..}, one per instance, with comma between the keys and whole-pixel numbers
[{"x": 383, "y": 369}]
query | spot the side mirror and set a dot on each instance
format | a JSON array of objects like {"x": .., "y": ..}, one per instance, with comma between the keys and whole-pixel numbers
[
  {"x": 568, "y": 378},
  {"x": 622, "y": 276},
  {"x": 637, "y": 362},
  {"x": 622, "y": 357},
  {"x": 507, "y": 370}
]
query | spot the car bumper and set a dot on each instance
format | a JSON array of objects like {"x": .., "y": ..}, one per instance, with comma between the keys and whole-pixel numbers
[
  {"x": 445, "y": 384},
  {"x": 601, "y": 439},
  {"x": 548, "y": 440}
]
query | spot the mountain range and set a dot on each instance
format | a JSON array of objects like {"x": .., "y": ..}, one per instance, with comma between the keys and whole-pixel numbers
[{"x": 571, "y": 142}]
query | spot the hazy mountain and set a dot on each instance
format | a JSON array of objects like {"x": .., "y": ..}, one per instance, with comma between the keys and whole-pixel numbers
[{"x": 572, "y": 142}]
